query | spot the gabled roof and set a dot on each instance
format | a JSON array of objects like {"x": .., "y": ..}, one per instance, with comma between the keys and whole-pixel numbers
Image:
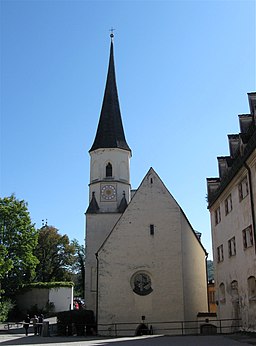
[{"x": 110, "y": 132}]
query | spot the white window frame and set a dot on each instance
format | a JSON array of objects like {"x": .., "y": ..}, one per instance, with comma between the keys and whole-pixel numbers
[
  {"x": 222, "y": 293},
  {"x": 243, "y": 189},
  {"x": 232, "y": 247},
  {"x": 217, "y": 214},
  {"x": 247, "y": 237},
  {"x": 251, "y": 288},
  {"x": 228, "y": 204},
  {"x": 220, "y": 254}
]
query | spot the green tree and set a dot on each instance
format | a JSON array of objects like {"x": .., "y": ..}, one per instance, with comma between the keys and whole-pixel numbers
[
  {"x": 6, "y": 264},
  {"x": 210, "y": 270},
  {"x": 18, "y": 239},
  {"x": 55, "y": 254},
  {"x": 79, "y": 268},
  {"x": 5, "y": 307}
]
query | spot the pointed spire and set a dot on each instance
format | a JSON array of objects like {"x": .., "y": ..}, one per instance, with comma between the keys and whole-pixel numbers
[
  {"x": 123, "y": 204},
  {"x": 110, "y": 132},
  {"x": 93, "y": 206}
]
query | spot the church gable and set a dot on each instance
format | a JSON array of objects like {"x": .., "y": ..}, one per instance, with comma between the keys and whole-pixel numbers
[
  {"x": 153, "y": 184},
  {"x": 150, "y": 202},
  {"x": 143, "y": 257}
]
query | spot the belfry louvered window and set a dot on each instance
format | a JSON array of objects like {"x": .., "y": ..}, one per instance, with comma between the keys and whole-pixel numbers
[{"x": 109, "y": 170}]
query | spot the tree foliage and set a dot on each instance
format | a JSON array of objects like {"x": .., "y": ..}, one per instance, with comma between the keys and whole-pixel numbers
[
  {"x": 79, "y": 268},
  {"x": 5, "y": 307},
  {"x": 28, "y": 255},
  {"x": 210, "y": 270},
  {"x": 6, "y": 264},
  {"x": 55, "y": 254},
  {"x": 18, "y": 239}
]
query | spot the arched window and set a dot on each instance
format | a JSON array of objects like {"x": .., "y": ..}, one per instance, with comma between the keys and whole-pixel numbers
[
  {"x": 222, "y": 293},
  {"x": 109, "y": 170},
  {"x": 234, "y": 291},
  {"x": 251, "y": 288}
]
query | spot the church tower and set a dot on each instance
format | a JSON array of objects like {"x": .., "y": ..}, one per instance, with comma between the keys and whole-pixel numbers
[{"x": 109, "y": 188}]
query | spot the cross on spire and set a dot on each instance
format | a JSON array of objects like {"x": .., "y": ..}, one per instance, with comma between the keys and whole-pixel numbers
[{"x": 112, "y": 33}]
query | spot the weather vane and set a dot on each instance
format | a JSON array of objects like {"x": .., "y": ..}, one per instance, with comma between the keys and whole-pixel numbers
[{"x": 112, "y": 32}]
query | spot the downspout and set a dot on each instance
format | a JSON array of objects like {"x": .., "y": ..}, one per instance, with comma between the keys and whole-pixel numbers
[
  {"x": 97, "y": 291},
  {"x": 208, "y": 303},
  {"x": 252, "y": 202}
]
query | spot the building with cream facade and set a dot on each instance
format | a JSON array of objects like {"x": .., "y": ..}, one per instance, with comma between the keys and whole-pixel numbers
[
  {"x": 232, "y": 205},
  {"x": 143, "y": 256}
]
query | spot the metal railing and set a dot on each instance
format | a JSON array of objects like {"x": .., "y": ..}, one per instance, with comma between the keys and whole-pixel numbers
[
  {"x": 12, "y": 325},
  {"x": 208, "y": 326},
  {"x": 197, "y": 327}
]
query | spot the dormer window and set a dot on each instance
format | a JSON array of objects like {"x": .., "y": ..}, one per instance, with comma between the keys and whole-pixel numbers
[{"x": 109, "y": 170}]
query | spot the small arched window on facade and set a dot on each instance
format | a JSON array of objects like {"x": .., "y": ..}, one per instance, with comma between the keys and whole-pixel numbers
[
  {"x": 252, "y": 288},
  {"x": 222, "y": 293},
  {"x": 109, "y": 170},
  {"x": 234, "y": 291}
]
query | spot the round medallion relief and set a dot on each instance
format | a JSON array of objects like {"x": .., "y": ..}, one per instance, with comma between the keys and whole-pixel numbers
[{"x": 141, "y": 283}]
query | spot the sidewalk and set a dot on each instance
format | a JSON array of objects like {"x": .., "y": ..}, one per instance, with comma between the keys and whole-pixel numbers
[
  {"x": 16, "y": 336},
  {"x": 153, "y": 340}
]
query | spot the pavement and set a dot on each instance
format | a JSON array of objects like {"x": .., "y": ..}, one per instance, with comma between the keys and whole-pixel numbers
[
  {"x": 15, "y": 336},
  {"x": 152, "y": 340}
]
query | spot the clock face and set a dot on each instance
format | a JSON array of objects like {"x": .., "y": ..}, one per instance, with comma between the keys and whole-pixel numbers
[{"x": 108, "y": 192}]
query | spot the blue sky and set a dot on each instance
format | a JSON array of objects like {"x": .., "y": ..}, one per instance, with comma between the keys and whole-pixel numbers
[{"x": 183, "y": 70}]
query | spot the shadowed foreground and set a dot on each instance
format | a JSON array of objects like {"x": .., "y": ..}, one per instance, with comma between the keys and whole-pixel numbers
[{"x": 214, "y": 340}]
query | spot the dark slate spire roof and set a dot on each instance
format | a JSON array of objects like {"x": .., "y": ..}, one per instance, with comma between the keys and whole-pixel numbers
[
  {"x": 110, "y": 132},
  {"x": 93, "y": 206},
  {"x": 123, "y": 204}
]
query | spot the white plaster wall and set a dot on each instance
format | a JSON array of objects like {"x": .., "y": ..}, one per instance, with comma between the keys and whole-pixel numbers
[
  {"x": 120, "y": 160},
  {"x": 98, "y": 226},
  {"x": 62, "y": 297},
  {"x": 131, "y": 248},
  {"x": 110, "y": 206},
  {"x": 35, "y": 296},
  {"x": 243, "y": 265},
  {"x": 194, "y": 273}
]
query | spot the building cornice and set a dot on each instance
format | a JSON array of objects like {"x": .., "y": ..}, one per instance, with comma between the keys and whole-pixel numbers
[{"x": 236, "y": 166}]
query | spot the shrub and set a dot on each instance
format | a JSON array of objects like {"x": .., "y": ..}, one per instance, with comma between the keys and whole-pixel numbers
[
  {"x": 5, "y": 307},
  {"x": 74, "y": 322},
  {"x": 47, "y": 310}
]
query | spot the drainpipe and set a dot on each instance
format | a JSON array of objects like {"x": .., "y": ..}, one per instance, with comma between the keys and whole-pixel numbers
[
  {"x": 97, "y": 292},
  {"x": 208, "y": 303},
  {"x": 252, "y": 202}
]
